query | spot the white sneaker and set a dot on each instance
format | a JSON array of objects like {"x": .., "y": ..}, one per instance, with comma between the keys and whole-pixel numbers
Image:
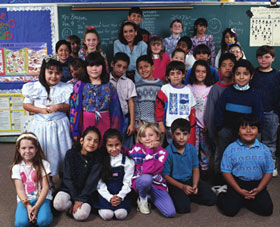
[
  {"x": 219, "y": 189},
  {"x": 143, "y": 206},
  {"x": 275, "y": 172}
]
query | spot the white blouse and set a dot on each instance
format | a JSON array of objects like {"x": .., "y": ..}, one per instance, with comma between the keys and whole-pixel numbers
[{"x": 128, "y": 169}]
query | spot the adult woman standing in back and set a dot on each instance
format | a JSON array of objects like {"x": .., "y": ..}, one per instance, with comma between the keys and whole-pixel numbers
[{"x": 130, "y": 42}]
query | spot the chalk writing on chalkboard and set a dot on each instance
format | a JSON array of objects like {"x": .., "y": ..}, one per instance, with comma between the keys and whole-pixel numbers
[{"x": 265, "y": 26}]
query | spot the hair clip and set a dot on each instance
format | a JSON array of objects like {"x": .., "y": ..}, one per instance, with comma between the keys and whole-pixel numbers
[
  {"x": 233, "y": 30},
  {"x": 90, "y": 27},
  {"x": 51, "y": 57}
]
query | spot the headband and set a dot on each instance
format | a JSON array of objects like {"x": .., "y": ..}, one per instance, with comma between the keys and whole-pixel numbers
[
  {"x": 51, "y": 56},
  {"x": 27, "y": 135}
]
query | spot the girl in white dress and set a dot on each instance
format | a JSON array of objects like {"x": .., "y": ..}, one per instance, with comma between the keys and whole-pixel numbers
[{"x": 48, "y": 99}]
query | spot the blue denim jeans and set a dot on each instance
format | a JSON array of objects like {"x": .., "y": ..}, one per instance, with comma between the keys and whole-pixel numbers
[
  {"x": 269, "y": 131},
  {"x": 44, "y": 215}
]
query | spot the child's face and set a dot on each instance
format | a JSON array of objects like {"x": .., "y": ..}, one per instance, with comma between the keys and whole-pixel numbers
[
  {"x": 75, "y": 47},
  {"x": 91, "y": 41},
  {"x": 90, "y": 142},
  {"x": 179, "y": 56},
  {"x": 226, "y": 68},
  {"x": 119, "y": 68},
  {"x": 113, "y": 146},
  {"x": 265, "y": 61},
  {"x": 183, "y": 45},
  {"x": 63, "y": 53},
  {"x": 53, "y": 76},
  {"x": 176, "y": 28},
  {"x": 200, "y": 29},
  {"x": 237, "y": 52},
  {"x": 229, "y": 39},
  {"x": 76, "y": 73},
  {"x": 248, "y": 134},
  {"x": 129, "y": 33},
  {"x": 149, "y": 138},
  {"x": 94, "y": 72},
  {"x": 242, "y": 76},
  {"x": 180, "y": 138},
  {"x": 202, "y": 56},
  {"x": 156, "y": 47},
  {"x": 176, "y": 78},
  {"x": 135, "y": 17},
  {"x": 200, "y": 74},
  {"x": 27, "y": 150},
  {"x": 145, "y": 69}
]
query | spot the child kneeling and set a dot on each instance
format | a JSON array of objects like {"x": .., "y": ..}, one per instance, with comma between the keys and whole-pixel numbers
[
  {"x": 181, "y": 171},
  {"x": 247, "y": 166}
]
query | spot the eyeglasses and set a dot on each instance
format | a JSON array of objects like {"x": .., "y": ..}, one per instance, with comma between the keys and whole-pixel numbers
[{"x": 235, "y": 51}]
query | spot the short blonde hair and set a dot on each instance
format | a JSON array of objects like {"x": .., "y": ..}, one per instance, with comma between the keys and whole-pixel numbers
[{"x": 142, "y": 130}]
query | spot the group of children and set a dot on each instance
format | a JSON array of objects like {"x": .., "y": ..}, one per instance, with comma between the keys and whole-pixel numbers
[{"x": 105, "y": 133}]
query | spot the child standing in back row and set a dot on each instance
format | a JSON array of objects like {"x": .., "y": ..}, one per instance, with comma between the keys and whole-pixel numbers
[
  {"x": 49, "y": 98},
  {"x": 227, "y": 62},
  {"x": 92, "y": 43},
  {"x": 267, "y": 81},
  {"x": 175, "y": 100},
  {"x": 126, "y": 93},
  {"x": 199, "y": 27},
  {"x": 147, "y": 89},
  {"x": 94, "y": 101},
  {"x": 170, "y": 43},
  {"x": 160, "y": 59},
  {"x": 201, "y": 82}
]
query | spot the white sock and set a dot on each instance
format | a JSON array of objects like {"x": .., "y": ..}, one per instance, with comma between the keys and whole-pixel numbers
[
  {"x": 62, "y": 201},
  {"x": 144, "y": 200},
  {"x": 83, "y": 212},
  {"x": 120, "y": 213},
  {"x": 106, "y": 214}
]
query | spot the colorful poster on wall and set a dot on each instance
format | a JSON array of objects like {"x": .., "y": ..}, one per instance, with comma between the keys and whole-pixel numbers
[
  {"x": 21, "y": 61},
  {"x": 11, "y": 113}
]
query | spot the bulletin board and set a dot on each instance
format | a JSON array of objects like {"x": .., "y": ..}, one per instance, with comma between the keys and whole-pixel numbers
[{"x": 27, "y": 34}]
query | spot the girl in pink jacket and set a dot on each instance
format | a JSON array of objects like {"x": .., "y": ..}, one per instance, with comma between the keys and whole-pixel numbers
[{"x": 147, "y": 180}]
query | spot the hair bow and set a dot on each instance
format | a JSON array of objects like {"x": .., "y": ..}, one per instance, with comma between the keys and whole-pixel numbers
[
  {"x": 90, "y": 27},
  {"x": 51, "y": 56},
  {"x": 233, "y": 30}
]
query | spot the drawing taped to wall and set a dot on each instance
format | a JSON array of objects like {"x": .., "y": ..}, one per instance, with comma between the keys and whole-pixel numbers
[{"x": 265, "y": 26}]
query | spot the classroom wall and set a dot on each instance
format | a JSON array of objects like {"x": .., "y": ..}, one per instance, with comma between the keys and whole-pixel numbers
[{"x": 157, "y": 22}]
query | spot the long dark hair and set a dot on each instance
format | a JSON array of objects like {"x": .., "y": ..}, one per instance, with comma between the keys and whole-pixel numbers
[
  {"x": 209, "y": 78},
  {"x": 232, "y": 33},
  {"x": 106, "y": 173},
  {"x": 48, "y": 65},
  {"x": 137, "y": 38},
  {"x": 77, "y": 145},
  {"x": 95, "y": 58}
]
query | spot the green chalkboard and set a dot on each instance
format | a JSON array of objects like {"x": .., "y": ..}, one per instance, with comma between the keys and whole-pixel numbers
[{"x": 157, "y": 22}]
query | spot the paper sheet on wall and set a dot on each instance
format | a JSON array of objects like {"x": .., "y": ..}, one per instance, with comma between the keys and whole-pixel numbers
[
  {"x": 11, "y": 113},
  {"x": 265, "y": 26}
]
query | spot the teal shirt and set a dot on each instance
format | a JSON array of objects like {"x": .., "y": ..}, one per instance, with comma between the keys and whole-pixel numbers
[{"x": 180, "y": 166}]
